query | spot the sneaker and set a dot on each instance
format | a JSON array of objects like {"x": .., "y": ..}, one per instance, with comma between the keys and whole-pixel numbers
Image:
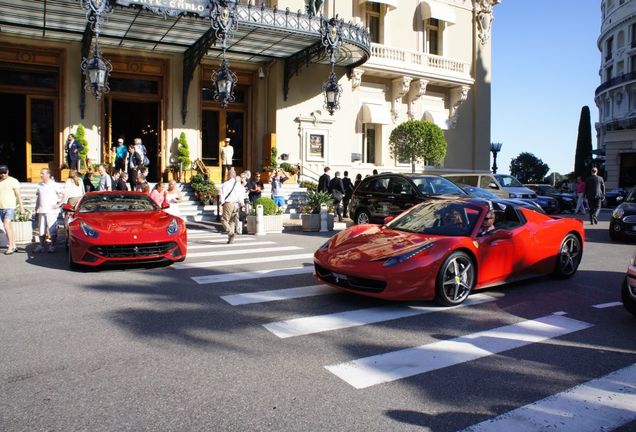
[
  {"x": 51, "y": 249},
  {"x": 39, "y": 249},
  {"x": 230, "y": 239}
]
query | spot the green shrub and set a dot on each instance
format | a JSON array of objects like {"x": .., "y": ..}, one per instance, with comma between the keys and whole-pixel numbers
[
  {"x": 286, "y": 166},
  {"x": 269, "y": 206},
  {"x": 314, "y": 202},
  {"x": 184, "y": 151},
  {"x": 197, "y": 179},
  {"x": 309, "y": 185},
  {"x": 80, "y": 137}
]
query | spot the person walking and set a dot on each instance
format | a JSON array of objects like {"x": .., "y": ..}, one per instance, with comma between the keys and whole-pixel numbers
[
  {"x": 595, "y": 191},
  {"x": 227, "y": 153},
  {"x": 337, "y": 191},
  {"x": 232, "y": 198},
  {"x": 133, "y": 163},
  {"x": 580, "y": 196},
  {"x": 47, "y": 207},
  {"x": 73, "y": 149},
  {"x": 323, "y": 181},
  {"x": 358, "y": 181},
  {"x": 9, "y": 195},
  {"x": 348, "y": 187}
]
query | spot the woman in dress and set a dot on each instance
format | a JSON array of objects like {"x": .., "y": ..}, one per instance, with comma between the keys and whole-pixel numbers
[{"x": 173, "y": 197}]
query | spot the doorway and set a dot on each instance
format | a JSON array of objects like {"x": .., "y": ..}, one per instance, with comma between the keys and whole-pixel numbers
[
  {"x": 13, "y": 136},
  {"x": 132, "y": 120}
]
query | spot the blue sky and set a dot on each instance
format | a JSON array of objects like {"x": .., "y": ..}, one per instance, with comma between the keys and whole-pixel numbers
[{"x": 545, "y": 66}]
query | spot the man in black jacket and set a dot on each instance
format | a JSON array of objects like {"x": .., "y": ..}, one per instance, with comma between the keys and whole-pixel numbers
[
  {"x": 348, "y": 188},
  {"x": 323, "y": 181},
  {"x": 337, "y": 190},
  {"x": 595, "y": 191},
  {"x": 134, "y": 161}
]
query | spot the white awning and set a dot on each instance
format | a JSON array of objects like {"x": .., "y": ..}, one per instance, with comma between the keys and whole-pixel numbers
[
  {"x": 390, "y": 3},
  {"x": 440, "y": 11},
  {"x": 375, "y": 113}
]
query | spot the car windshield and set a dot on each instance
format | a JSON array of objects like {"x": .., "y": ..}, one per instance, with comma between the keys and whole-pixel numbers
[
  {"x": 438, "y": 218},
  {"x": 632, "y": 195},
  {"x": 478, "y": 192},
  {"x": 549, "y": 189},
  {"x": 437, "y": 186},
  {"x": 116, "y": 202},
  {"x": 508, "y": 181}
]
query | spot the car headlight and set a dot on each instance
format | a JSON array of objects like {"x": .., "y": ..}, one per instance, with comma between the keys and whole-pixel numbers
[
  {"x": 398, "y": 259},
  {"x": 618, "y": 213},
  {"x": 513, "y": 195},
  {"x": 88, "y": 230},
  {"x": 173, "y": 228}
]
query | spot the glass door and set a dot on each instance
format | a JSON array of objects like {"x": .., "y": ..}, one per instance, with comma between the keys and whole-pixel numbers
[{"x": 41, "y": 119}]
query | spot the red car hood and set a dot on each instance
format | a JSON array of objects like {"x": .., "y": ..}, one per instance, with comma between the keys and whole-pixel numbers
[
  {"x": 127, "y": 222},
  {"x": 376, "y": 244}
]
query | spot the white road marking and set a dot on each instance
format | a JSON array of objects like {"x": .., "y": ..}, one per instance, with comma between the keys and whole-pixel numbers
[
  {"x": 225, "y": 246},
  {"x": 220, "y": 240},
  {"x": 607, "y": 305},
  {"x": 560, "y": 313},
  {"x": 258, "y": 274},
  {"x": 602, "y": 404},
  {"x": 354, "y": 318},
  {"x": 253, "y": 260},
  {"x": 279, "y": 294},
  {"x": 369, "y": 371},
  {"x": 242, "y": 251}
]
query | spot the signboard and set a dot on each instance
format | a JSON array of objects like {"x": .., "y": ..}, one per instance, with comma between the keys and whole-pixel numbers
[{"x": 171, "y": 7}]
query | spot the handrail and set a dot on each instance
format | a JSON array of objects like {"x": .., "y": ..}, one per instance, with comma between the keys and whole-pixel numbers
[
  {"x": 302, "y": 174},
  {"x": 201, "y": 168}
]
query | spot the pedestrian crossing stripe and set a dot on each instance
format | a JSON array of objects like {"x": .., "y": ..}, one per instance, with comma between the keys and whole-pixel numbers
[
  {"x": 217, "y": 240},
  {"x": 258, "y": 274},
  {"x": 607, "y": 305},
  {"x": 242, "y": 261},
  {"x": 241, "y": 252},
  {"x": 225, "y": 246},
  {"x": 601, "y": 404},
  {"x": 279, "y": 294},
  {"x": 341, "y": 320},
  {"x": 392, "y": 366}
]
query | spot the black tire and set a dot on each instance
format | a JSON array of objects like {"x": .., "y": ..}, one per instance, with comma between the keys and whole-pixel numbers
[
  {"x": 568, "y": 257},
  {"x": 362, "y": 217},
  {"x": 455, "y": 280},
  {"x": 629, "y": 298}
]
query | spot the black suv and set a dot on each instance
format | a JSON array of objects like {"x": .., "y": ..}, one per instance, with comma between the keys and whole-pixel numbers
[{"x": 389, "y": 194}]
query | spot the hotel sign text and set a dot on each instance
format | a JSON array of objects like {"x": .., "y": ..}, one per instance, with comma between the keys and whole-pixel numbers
[{"x": 171, "y": 7}]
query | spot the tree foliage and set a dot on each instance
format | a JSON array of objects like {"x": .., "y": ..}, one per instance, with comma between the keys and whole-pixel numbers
[
  {"x": 80, "y": 136},
  {"x": 583, "y": 156},
  {"x": 528, "y": 168},
  {"x": 418, "y": 141},
  {"x": 555, "y": 178},
  {"x": 183, "y": 151}
]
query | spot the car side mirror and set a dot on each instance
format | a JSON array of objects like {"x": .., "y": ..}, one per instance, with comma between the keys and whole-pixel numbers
[
  {"x": 619, "y": 199},
  {"x": 388, "y": 219},
  {"x": 492, "y": 186},
  {"x": 68, "y": 208},
  {"x": 165, "y": 205}
]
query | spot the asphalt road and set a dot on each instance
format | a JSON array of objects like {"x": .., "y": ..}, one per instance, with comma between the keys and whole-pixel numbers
[{"x": 154, "y": 349}]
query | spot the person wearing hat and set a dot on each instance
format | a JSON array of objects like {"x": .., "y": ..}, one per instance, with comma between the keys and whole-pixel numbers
[
  {"x": 227, "y": 153},
  {"x": 120, "y": 155},
  {"x": 9, "y": 195}
]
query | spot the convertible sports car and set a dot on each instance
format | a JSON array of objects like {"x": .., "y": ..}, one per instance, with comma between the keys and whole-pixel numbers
[
  {"x": 441, "y": 250},
  {"x": 122, "y": 227}
]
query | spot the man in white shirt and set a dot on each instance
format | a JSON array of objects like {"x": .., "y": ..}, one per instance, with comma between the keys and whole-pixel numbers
[
  {"x": 227, "y": 153},
  {"x": 47, "y": 206},
  {"x": 232, "y": 198}
]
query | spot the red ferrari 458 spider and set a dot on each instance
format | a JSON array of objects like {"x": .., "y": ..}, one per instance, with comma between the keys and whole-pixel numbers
[
  {"x": 122, "y": 227},
  {"x": 444, "y": 249}
]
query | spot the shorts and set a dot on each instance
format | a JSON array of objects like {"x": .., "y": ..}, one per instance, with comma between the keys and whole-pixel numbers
[
  {"x": 6, "y": 214},
  {"x": 47, "y": 222},
  {"x": 279, "y": 200}
]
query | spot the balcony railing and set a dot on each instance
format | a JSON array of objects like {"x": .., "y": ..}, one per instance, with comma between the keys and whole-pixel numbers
[
  {"x": 422, "y": 62},
  {"x": 631, "y": 76}
]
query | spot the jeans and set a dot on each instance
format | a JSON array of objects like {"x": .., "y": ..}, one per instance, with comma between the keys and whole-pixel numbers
[
  {"x": 6, "y": 214},
  {"x": 580, "y": 202}
]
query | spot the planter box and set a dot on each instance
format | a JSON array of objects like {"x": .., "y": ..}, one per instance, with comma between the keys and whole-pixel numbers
[
  {"x": 311, "y": 222},
  {"x": 273, "y": 224},
  {"x": 22, "y": 231}
]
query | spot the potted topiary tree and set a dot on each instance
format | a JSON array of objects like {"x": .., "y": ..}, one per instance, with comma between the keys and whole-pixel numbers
[
  {"x": 183, "y": 154},
  {"x": 80, "y": 136},
  {"x": 272, "y": 217},
  {"x": 310, "y": 211}
]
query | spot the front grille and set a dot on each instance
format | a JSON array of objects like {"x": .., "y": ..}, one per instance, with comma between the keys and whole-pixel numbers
[
  {"x": 350, "y": 282},
  {"x": 134, "y": 250}
]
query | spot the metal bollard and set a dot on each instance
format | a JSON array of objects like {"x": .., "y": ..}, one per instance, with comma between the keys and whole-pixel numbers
[
  {"x": 324, "y": 221},
  {"x": 260, "y": 223}
]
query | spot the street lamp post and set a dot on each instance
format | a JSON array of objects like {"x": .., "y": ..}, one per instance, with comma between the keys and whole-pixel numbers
[
  {"x": 332, "y": 39},
  {"x": 96, "y": 68},
  {"x": 224, "y": 22},
  {"x": 495, "y": 147}
]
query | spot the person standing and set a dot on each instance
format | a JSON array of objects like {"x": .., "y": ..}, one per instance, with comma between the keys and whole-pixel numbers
[
  {"x": 277, "y": 188},
  {"x": 323, "y": 181},
  {"x": 227, "y": 153},
  {"x": 580, "y": 196},
  {"x": 358, "y": 181},
  {"x": 73, "y": 188},
  {"x": 119, "y": 181},
  {"x": 348, "y": 187},
  {"x": 120, "y": 155},
  {"x": 105, "y": 180},
  {"x": 73, "y": 149},
  {"x": 595, "y": 191},
  {"x": 255, "y": 188},
  {"x": 337, "y": 191},
  {"x": 141, "y": 149},
  {"x": 173, "y": 197},
  {"x": 47, "y": 207},
  {"x": 232, "y": 198},
  {"x": 9, "y": 195},
  {"x": 158, "y": 194},
  {"x": 133, "y": 163}
]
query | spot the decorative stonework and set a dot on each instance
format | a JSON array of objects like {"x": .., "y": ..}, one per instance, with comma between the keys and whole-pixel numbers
[
  {"x": 457, "y": 97},
  {"x": 400, "y": 87},
  {"x": 484, "y": 17},
  {"x": 418, "y": 89},
  {"x": 356, "y": 78}
]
